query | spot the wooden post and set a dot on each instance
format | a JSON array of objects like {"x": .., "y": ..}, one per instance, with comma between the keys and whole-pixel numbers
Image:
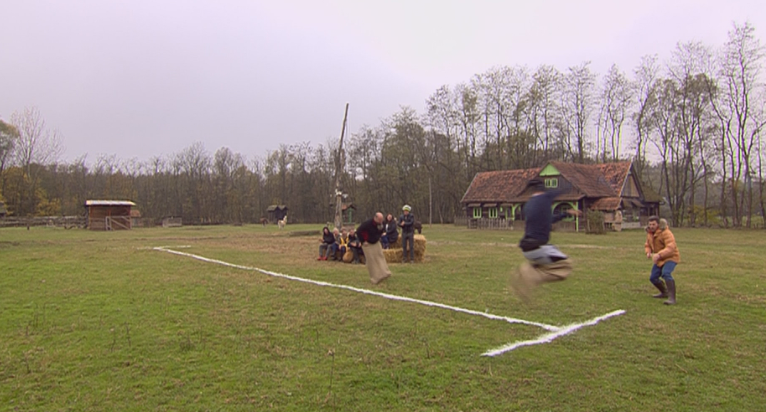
[{"x": 339, "y": 164}]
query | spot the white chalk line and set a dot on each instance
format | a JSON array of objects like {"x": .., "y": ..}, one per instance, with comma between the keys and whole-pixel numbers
[
  {"x": 549, "y": 337},
  {"x": 163, "y": 247},
  {"x": 555, "y": 331}
]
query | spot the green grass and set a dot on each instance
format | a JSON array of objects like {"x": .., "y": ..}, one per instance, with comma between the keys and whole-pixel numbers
[{"x": 95, "y": 321}]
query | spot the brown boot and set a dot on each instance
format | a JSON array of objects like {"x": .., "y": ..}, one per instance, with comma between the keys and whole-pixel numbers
[
  {"x": 660, "y": 285},
  {"x": 671, "y": 292}
]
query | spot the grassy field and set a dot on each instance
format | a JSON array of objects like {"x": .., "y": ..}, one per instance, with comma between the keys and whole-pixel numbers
[{"x": 99, "y": 321}]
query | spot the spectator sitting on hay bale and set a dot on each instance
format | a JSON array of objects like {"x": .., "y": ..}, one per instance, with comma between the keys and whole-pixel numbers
[
  {"x": 391, "y": 234},
  {"x": 326, "y": 244},
  {"x": 341, "y": 242},
  {"x": 335, "y": 245},
  {"x": 354, "y": 251}
]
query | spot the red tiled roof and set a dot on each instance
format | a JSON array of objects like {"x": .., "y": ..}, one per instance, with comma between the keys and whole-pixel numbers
[
  {"x": 606, "y": 203},
  {"x": 604, "y": 181},
  {"x": 588, "y": 179},
  {"x": 498, "y": 186},
  {"x": 615, "y": 174}
]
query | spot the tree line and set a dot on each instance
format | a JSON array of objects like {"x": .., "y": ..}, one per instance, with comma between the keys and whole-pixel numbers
[{"x": 692, "y": 125}]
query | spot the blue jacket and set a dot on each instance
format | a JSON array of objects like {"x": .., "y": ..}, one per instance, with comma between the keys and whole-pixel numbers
[{"x": 539, "y": 220}]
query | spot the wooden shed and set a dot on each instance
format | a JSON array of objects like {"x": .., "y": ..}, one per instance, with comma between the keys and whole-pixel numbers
[
  {"x": 347, "y": 212},
  {"x": 276, "y": 212},
  {"x": 109, "y": 214}
]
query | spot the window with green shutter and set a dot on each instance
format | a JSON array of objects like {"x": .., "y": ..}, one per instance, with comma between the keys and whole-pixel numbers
[
  {"x": 477, "y": 213},
  {"x": 551, "y": 182}
]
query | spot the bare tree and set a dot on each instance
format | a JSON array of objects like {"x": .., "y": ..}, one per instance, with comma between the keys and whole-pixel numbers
[
  {"x": 577, "y": 107},
  {"x": 741, "y": 65},
  {"x": 616, "y": 97},
  {"x": 646, "y": 75},
  {"x": 36, "y": 147},
  {"x": 541, "y": 108},
  {"x": 8, "y": 137},
  {"x": 687, "y": 71}
]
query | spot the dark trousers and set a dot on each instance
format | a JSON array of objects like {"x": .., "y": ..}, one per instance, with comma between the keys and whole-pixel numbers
[
  {"x": 408, "y": 242},
  {"x": 357, "y": 251}
]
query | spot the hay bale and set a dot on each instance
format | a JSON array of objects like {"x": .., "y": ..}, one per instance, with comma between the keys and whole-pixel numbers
[
  {"x": 420, "y": 244},
  {"x": 394, "y": 254}
]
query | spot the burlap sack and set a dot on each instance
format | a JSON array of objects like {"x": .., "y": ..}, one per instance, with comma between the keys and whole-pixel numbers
[
  {"x": 376, "y": 263},
  {"x": 529, "y": 277},
  {"x": 348, "y": 257}
]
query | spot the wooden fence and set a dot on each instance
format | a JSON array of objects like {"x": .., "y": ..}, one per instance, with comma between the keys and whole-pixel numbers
[
  {"x": 517, "y": 225},
  {"x": 66, "y": 222}
]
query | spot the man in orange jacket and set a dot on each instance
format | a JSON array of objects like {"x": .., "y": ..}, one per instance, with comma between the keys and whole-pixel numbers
[{"x": 661, "y": 248}]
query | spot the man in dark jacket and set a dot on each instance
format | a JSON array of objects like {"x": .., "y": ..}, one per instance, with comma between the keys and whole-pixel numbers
[
  {"x": 407, "y": 222},
  {"x": 545, "y": 262},
  {"x": 369, "y": 233}
]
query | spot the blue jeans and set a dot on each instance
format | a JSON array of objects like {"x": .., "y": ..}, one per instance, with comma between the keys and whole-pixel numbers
[
  {"x": 384, "y": 241},
  {"x": 662, "y": 272},
  {"x": 544, "y": 255}
]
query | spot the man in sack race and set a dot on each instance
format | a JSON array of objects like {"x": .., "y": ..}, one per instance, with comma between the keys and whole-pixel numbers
[
  {"x": 661, "y": 248},
  {"x": 545, "y": 263},
  {"x": 369, "y": 233}
]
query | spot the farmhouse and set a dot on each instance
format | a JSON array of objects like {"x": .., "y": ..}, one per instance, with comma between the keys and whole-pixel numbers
[
  {"x": 495, "y": 200},
  {"x": 109, "y": 214}
]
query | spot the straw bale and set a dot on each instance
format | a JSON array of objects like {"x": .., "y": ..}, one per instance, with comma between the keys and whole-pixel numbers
[
  {"x": 420, "y": 244},
  {"x": 394, "y": 254}
]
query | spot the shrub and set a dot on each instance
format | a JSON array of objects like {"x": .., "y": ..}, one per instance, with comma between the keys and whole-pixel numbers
[{"x": 595, "y": 222}]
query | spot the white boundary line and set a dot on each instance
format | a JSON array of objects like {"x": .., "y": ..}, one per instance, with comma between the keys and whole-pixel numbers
[
  {"x": 549, "y": 337},
  {"x": 554, "y": 331}
]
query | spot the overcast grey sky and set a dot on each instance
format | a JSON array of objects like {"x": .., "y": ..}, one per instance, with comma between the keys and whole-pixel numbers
[{"x": 140, "y": 78}]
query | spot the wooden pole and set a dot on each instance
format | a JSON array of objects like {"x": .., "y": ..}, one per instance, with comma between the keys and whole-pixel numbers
[{"x": 339, "y": 164}]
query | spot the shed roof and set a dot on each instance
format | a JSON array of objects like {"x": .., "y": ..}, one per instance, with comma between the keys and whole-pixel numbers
[{"x": 89, "y": 203}]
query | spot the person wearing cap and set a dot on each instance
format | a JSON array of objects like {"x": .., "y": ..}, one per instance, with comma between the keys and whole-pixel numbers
[
  {"x": 545, "y": 262},
  {"x": 407, "y": 223}
]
